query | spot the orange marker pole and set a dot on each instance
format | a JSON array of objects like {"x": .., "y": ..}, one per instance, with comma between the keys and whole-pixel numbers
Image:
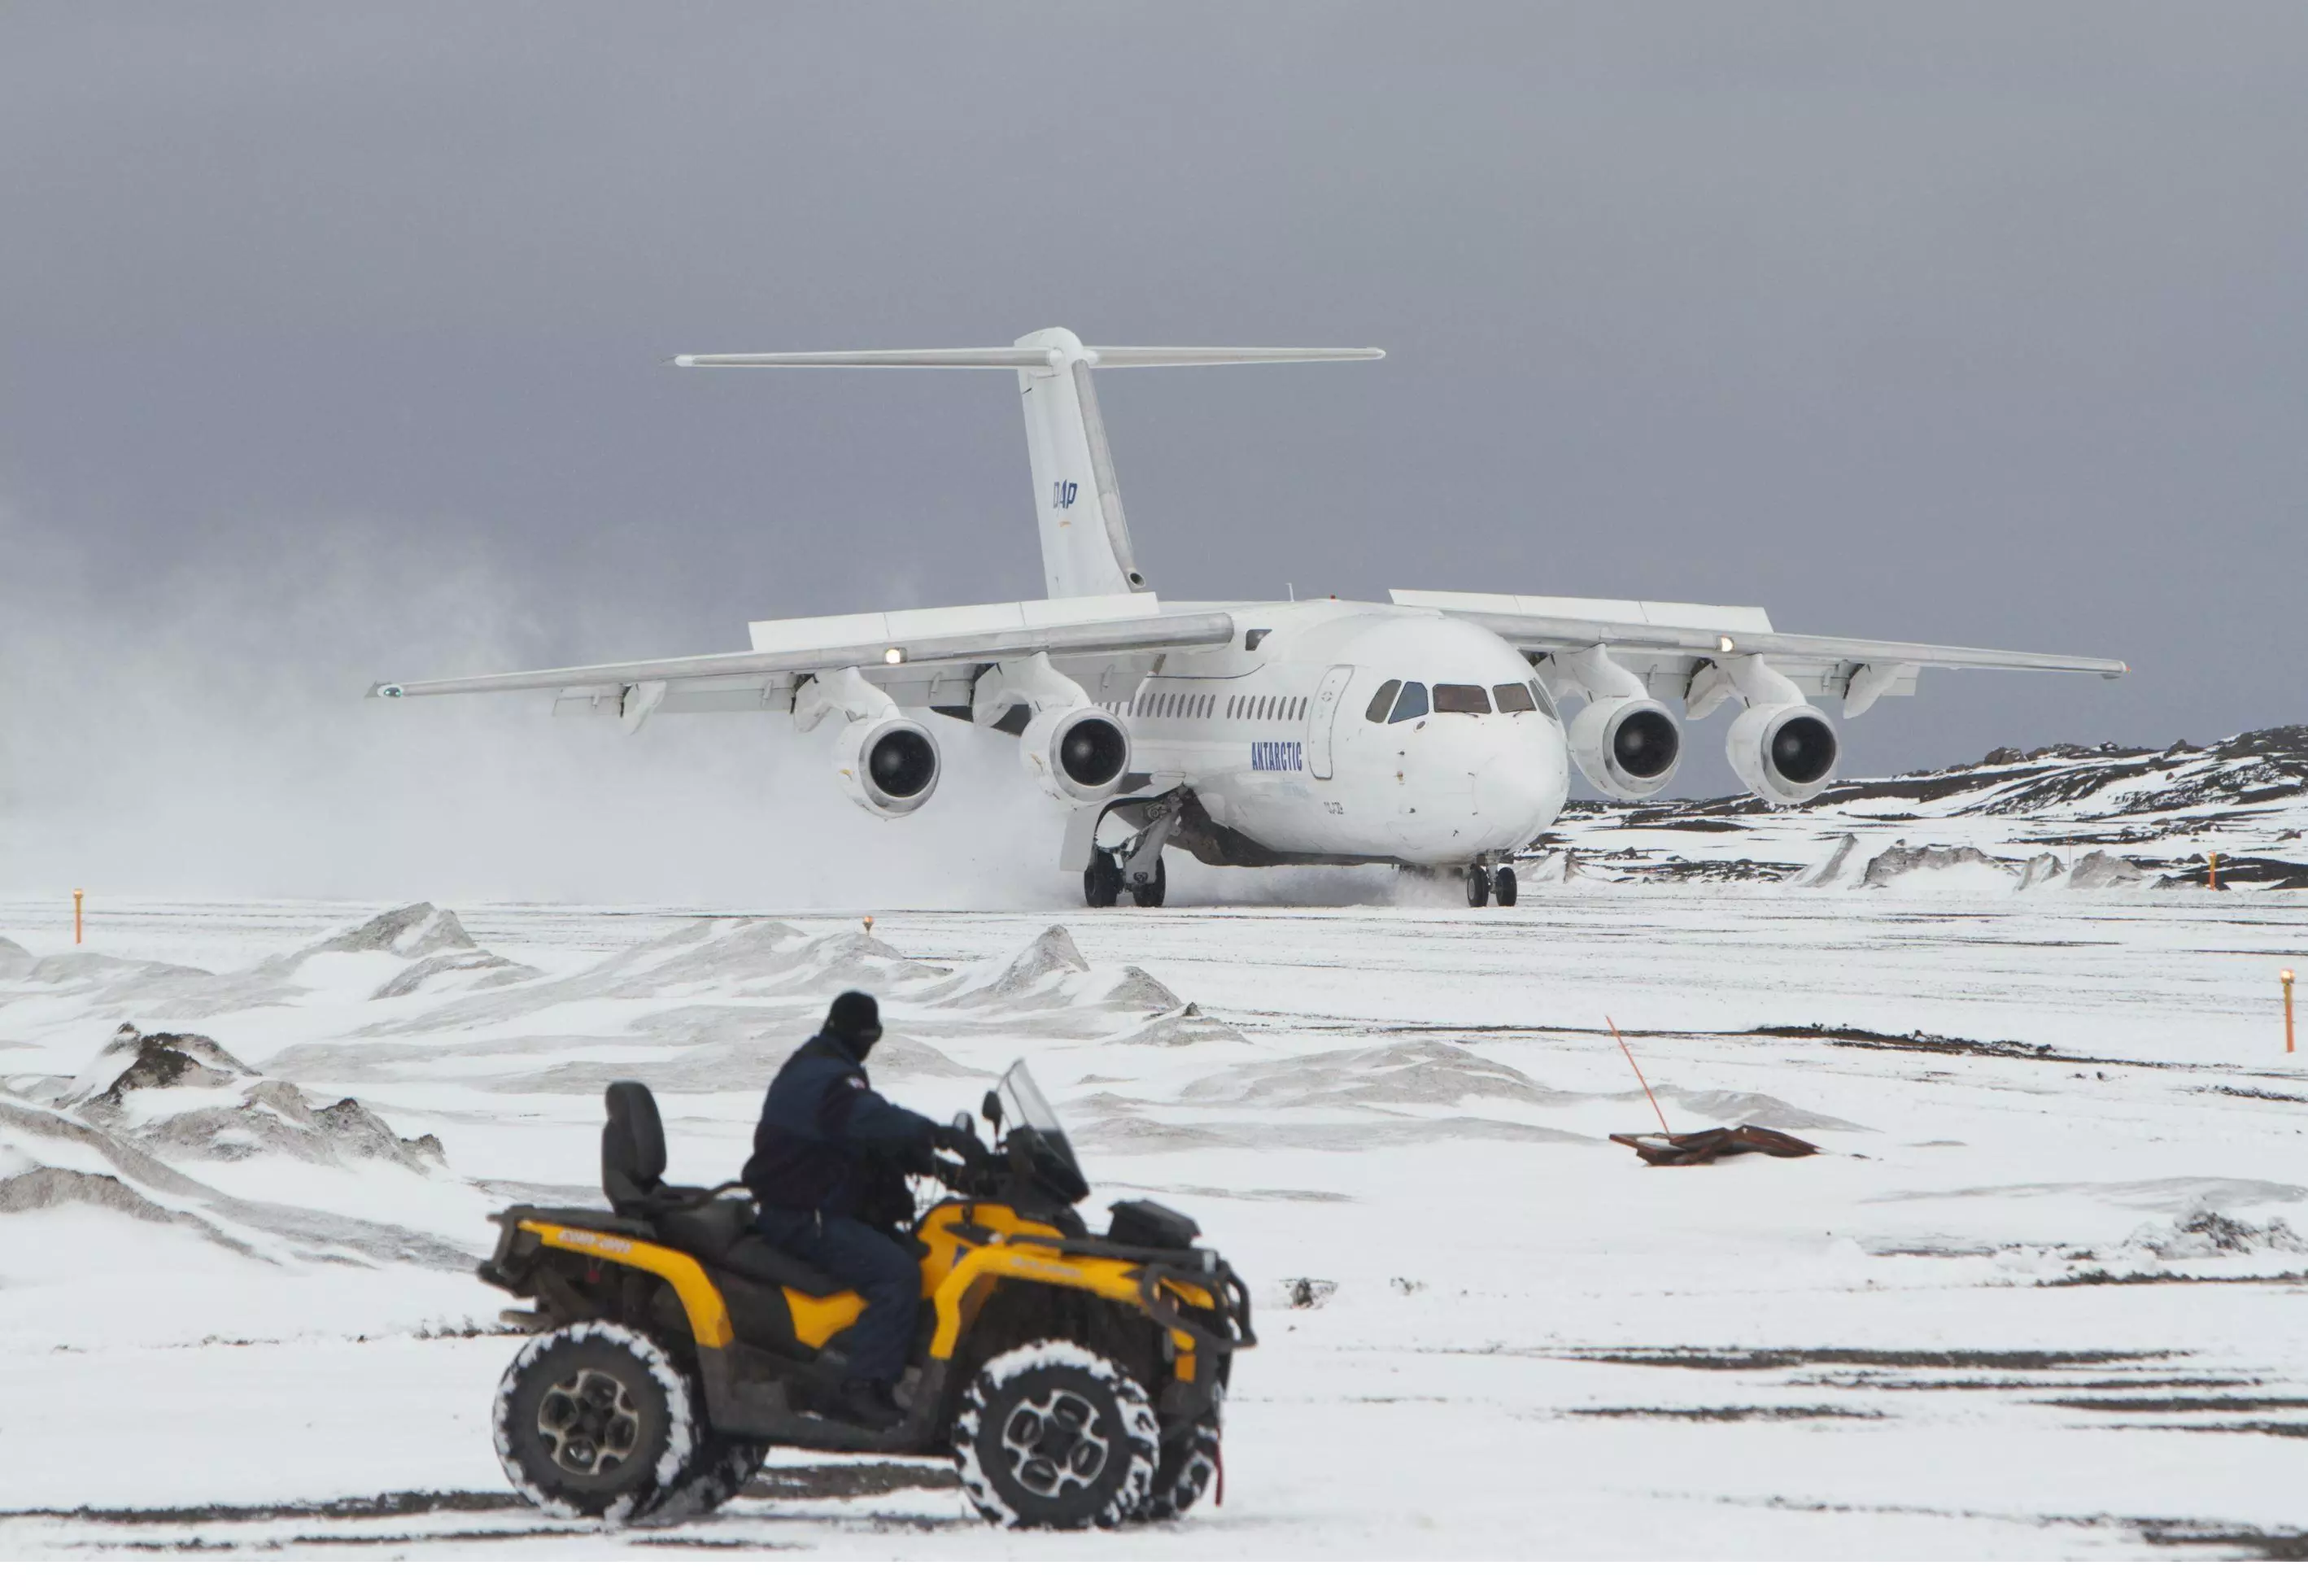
[
  {"x": 2288, "y": 1011},
  {"x": 1638, "y": 1071},
  {"x": 76, "y": 898},
  {"x": 2215, "y": 872}
]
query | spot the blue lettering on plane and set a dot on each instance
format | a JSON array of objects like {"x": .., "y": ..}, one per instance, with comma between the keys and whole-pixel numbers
[
  {"x": 1276, "y": 756},
  {"x": 1062, "y": 494}
]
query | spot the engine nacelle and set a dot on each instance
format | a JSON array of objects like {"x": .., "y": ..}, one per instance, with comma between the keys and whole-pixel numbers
[
  {"x": 889, "y": 766},
  {"x": 1785, "y": 753},
  {"x": 1628, "y": 747},
  {"x": 1076, "y": 753}
]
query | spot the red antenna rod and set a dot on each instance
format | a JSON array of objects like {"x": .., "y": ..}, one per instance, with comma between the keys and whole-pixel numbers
[{"x": 1639, "y": 1073}]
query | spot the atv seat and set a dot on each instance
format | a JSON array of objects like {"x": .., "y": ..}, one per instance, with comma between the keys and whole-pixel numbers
[
  {"x": 717, "y": 1231},
  {"x": 720, "y": 1234}
]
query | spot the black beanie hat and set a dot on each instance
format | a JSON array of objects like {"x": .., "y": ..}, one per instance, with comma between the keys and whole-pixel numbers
[{"x": 856, "y": 1019}]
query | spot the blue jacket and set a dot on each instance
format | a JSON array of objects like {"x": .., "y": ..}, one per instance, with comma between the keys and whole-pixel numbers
[{"x": 824, "y": 1128}]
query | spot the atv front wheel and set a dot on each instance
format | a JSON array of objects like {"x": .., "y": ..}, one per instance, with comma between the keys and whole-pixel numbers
[
  {"x": 594, "y": 1420},
  {"x": 1188, "y": 1464},
  {"x": 1053, "y": 1437}
]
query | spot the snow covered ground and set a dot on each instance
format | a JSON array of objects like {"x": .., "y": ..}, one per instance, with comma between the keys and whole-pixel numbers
[{"x": 2043, "y": 1296}]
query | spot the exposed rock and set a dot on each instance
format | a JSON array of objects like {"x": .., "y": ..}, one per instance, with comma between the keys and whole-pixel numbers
[
  {"x": 1185, "y": 1028},
  {"x": 44, "y": 1187},
  {"x": 274, "y": 1118},
  {"x": 132, "y": 1061},
  {"x": 1833, "y": 870},
  {"x": 2099, "y": 869},
  {"x": 2208, "y": 1233},
  {"x": 1899, "y": 860},
  {"x": 2040, "y": 871},
  {"x": 413, "y": 931}
]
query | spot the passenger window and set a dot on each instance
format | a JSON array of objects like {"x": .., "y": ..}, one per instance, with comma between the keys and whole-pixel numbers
[
  {"x": 1456, "y": 698},
  {"x": 1412, "y": 705},
  {"x": 1514, "y": 698},
  {"x": 1381, "y": 702}
]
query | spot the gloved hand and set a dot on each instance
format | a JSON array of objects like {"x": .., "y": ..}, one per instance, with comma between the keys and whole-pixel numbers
[{"x": 960, "y": 1139}]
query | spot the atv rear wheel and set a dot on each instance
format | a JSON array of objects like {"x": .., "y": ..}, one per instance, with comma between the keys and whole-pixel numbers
[
  {"x": 1053, "y": 1437},
  {"x": 594, "y": 1420},
  {"x": 1188, "y": 1464}
]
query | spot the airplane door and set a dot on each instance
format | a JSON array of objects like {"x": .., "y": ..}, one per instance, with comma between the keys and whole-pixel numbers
[{"x": 1320, "y": 716}]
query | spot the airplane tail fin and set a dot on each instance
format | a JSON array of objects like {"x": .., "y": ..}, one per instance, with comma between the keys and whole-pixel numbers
[{"x": 1077, "y": 501}]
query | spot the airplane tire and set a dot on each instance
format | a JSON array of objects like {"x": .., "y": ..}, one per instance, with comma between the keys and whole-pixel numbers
[
  {"x": 1478, "y": 886},
  {"x": 1149, "y": 894},
  {"x": 1102, "y": 882},
  {"x": 1505, "y": 886}
]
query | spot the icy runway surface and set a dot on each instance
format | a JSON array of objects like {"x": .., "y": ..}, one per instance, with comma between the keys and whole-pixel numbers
[{"x": 2045, "y": 1294}]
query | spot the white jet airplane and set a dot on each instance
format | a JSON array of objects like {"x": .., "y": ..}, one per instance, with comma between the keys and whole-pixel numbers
[{"x": 1424, "y": 732}]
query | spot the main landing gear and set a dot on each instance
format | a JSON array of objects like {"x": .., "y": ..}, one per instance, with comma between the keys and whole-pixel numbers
[
  {"x": 1134, "y": 866},
  {"x": 1482, "y": 881}
]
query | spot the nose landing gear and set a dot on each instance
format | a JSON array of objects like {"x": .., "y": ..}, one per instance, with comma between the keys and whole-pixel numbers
[{"x": 1482, "y": 881}]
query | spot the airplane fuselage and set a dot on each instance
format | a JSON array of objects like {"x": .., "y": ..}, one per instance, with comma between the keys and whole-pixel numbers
[{"x": 1284, "y": 738}]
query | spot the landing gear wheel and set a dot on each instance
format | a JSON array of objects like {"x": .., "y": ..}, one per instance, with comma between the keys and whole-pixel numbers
[
  {"x": 1149, "y": 894},
  {"x": 1478, "y": 886},
  {"x": 1102, "y": 882},
  {"x": 1188, "y": 1464},
  {"x": 1504, "y": 884},
  {"x": 593, "y": 1420},
  {"x": 1053, "y": 1437}
]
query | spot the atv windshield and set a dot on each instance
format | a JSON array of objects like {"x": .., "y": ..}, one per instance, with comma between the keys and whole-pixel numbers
[{"x": 1024, "y": 1101}]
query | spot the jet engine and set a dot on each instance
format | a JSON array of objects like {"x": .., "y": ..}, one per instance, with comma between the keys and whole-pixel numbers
[
  {"x": 1785, "y": 753},
  {"x": 1076, "y": 753},
  {"x": 888, "y": 765},
  {"x": 1628, "y": 747}
]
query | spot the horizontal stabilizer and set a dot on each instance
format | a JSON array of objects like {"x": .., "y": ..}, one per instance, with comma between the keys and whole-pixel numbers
[{"x": 1045, "y": 358}]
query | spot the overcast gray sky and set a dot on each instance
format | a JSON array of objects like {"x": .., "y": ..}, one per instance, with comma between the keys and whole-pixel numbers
[{"x": 1969, "y": 323}]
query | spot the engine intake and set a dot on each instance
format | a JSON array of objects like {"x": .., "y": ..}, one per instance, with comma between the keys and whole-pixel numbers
[
  {"x": 1785, "y": 753},
  {"x": 1627, "y": 747},
  {"x": 888, "y": 766},
  {"x": 1077, "y": 754}
]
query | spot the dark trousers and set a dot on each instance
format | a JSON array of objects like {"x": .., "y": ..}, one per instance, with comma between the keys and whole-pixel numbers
[{"x": 858, "y": 1255}]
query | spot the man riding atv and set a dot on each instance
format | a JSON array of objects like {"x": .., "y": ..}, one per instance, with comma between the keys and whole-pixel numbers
[
  {"x": 829, "y": 1161},
  {"x": 1072, "y": 1379}
]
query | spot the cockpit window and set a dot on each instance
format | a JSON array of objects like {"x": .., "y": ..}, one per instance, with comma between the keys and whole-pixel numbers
[
  {"x": 1456, "y": 698},
  {"x": 1382, "y": 701},
  {"x": 1412, "y": 705},
  {"x": 1514, "y": 698}
]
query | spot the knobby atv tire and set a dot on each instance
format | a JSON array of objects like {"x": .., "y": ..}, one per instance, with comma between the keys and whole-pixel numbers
[
  {"x": 595, "y": 1421},
  {"x": 1053, "y": 1437},
  {"x": 1184, "y": 1473},
  {"x": 716, "y": 1472}
]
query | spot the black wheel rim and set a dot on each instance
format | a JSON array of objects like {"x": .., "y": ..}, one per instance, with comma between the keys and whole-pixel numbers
[
  {"x": 1056, "y": 1443},
  {"x": 589, "y": 1423}
]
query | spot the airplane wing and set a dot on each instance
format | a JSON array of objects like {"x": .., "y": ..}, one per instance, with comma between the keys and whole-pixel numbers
[
  {"x": 921, "y": 657},
  {"x": 1672, "y": 646}
]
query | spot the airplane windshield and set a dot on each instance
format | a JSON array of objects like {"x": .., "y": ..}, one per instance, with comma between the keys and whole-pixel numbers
[{"x": 1023, "y": 1100}]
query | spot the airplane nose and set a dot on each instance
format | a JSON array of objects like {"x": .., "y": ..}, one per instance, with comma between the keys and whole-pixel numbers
[{"x": 1514, "y": 793}]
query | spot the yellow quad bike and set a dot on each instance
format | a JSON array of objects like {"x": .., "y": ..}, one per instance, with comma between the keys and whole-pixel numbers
[{"x": 1075, "y": 1380}]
